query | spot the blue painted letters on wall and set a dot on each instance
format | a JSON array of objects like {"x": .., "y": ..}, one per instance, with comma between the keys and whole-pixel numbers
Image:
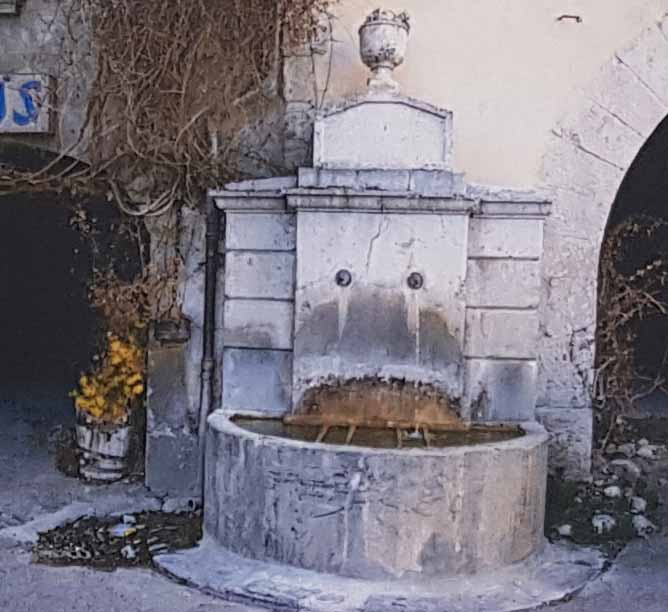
[
  {"x": 32, "y": 111},
  {"x": 22, "y": 99}
]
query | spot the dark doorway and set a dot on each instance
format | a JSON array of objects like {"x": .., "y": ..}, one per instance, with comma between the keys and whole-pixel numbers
[
  {"x": 48, "y": 333},
  {"x": 47, "y": 328},
  {"x": 635, "y": 259}
]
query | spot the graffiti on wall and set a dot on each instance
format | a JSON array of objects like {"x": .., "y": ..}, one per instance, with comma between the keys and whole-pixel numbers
[{"x": 24, "y": 104}]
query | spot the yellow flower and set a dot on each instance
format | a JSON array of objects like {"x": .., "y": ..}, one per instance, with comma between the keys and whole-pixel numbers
[{"x": 108, "y": 392}]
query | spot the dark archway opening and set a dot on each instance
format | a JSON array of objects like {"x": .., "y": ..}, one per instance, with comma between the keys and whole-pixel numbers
[
  {"x": 632, "y": 338},
  {"x": 47, "y": 328},
  {"x": 49, "y": 333}
]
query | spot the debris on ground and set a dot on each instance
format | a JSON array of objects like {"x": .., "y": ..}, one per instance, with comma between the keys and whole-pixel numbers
[
  {"x": 623, "y": 500},
  {"x": 643, "y": 525},
  {"x": 128, "y": 541},
  {"x": 603, "y": 523}
]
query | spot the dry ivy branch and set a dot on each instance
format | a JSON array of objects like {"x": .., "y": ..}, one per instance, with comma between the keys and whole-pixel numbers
[
  {"x": 170, "y": 85},
  {"x": 627, "y": 296},
  {"x": 169, "y": 76}
]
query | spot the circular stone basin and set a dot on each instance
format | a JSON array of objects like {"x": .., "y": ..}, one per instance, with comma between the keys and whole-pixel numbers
[
  {"x": 379, "y": 437},
  {"x": 370, "y": 511}
]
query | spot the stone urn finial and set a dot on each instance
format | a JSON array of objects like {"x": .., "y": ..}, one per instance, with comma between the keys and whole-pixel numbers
[{"x": 383, "y": 41}]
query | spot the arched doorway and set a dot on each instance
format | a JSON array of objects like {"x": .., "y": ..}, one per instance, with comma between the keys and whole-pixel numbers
[
  {"x": 48, "y": 331},
  {"x": 632, "y": 334},
  {"x": 47, "y": 326},
  {"x": 589, "y": 155}
]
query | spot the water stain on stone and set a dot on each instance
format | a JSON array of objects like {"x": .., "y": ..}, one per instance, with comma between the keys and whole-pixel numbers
[
  {"x": 376, "y": 327},
  {"x": 319, "y": 334},
  {"x": 377, "y": 324},
  {"x": 438, "y": 557},
  {"x": 438, "y": 347}
]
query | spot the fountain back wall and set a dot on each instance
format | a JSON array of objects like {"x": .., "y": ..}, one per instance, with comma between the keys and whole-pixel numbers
[{"x": 380, "y": 264}]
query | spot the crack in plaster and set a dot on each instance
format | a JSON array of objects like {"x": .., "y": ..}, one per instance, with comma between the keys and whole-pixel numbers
[
  {"x": 575, "y": 141},
  {"x": 642, "y": 81},
  {"x": 659, "y": 25},
  {"x": 620, "y": 119},
  {"x": 372, "y": 243}
]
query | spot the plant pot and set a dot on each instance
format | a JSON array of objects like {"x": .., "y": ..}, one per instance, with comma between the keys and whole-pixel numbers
[{"x": 104, "y": 449}]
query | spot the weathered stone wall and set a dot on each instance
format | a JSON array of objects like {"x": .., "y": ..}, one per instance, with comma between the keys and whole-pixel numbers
[
  {"x": 587, "y": 158},
  {"x": 615, "y": 104},
  {"x": 509, "y": 70},
  {"x": 34, "y": 42},
  {"x": 173, "y": 402}
]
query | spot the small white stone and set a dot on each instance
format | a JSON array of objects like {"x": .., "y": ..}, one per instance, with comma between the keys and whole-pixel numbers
[
  {"x": 638, "y": 505},
  {"x": 628, "y": 449},
  {"x": 180, "y": 504},
  {"x": 643, "y": 525},
  {"x": 565, "y": 531},
  {"x": 643, "y": 442},
  {"x": 129, "y": 552},
  {"x": 603, "y": 523},
  {"x": 629, "y": 469},
  {"x": 612, "y": 491},
  {"x": 647, "y": 452},
  {"x": 129, "y": 519},
  {"x": 599, "y": 483}
]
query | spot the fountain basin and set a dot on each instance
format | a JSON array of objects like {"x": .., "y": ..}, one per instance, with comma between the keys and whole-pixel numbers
[{"x": 375, "y": 513}]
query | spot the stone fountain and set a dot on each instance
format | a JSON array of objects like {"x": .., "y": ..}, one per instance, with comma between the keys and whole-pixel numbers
[{"x": 376, "y": 442}]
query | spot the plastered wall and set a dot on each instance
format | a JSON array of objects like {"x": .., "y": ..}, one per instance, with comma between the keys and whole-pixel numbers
[{"x": 509, "y": 69}]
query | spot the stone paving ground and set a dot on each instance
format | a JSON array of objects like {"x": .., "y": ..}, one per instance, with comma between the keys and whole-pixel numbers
[{"x": 30, "y": 488}]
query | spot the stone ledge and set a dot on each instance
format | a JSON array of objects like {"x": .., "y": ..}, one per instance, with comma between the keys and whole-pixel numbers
[
  {"x": 443, "y": 183},
  {"x": 249, "y": 201},
  {"x": 375, "y": 201},
  {"x": 274, "y": 183},
  {"x": 554, "y": 575}
]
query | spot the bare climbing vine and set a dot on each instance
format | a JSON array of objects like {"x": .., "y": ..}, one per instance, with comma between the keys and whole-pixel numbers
[
  {"x": 167, "y": 91},
  {"x": 170, "y": 89},
  {"x": 629, "y": 293}
]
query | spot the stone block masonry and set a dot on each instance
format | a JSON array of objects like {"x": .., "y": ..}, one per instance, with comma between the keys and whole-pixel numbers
[{"x": 381, "y": 213}]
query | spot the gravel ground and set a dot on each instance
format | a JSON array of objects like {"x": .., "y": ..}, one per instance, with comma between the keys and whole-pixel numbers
[
  {"x": 26, "y": 587},
  {"x": 30, "y": 488}
]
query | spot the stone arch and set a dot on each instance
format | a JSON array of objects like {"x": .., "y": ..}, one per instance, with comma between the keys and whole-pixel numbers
[
  {"x": 14, "y": 154},
  {"x": 589, "y": 154}
]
